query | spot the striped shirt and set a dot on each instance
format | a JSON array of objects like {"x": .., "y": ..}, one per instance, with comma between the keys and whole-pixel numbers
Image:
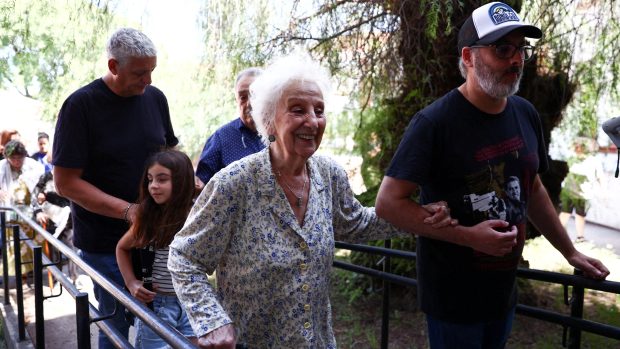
[{"x": 161, "y": 275}]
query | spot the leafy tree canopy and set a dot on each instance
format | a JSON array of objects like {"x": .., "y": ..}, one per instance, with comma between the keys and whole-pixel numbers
[
  {"x": 49, "y": 48},
  {"x": 393, "y": 57}
]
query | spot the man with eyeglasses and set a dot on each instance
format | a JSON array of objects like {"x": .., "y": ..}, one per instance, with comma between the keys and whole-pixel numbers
[{"x": 463, "y": 149}]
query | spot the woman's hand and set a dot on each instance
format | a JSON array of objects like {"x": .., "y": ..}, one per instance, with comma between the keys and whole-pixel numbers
[
  {"x": 220, "y": 338},
  {"x": 440, "y": 215},
  {"x": 140, "y": 293}
]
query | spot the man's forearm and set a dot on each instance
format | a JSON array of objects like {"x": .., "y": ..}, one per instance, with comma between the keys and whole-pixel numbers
[
  {"x": 409, "y": 216},
  {"x": 93, "y": 199}
]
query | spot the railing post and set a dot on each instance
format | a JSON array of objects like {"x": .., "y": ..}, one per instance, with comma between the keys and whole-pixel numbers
[
  {"x": 19, "y": 287},
  {"x": 82, "y": 320},
  {"x": 385, "y": 322},
  {"x": 576, "y": 311},
  {"x": 39, "y": 320},
  {"x": 5, "y": 258}
]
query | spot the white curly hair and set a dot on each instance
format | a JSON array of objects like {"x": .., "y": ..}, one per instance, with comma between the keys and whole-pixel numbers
[{"x": 268, "y": 88}]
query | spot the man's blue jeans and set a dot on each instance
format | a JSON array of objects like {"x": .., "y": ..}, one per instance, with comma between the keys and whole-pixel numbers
[
  {"x": 105, "y": 264},
  {"x": 481, "y": 335}
]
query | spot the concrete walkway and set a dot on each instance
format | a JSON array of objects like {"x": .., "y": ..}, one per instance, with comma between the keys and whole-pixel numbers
[
  {"x": 59, "y": 315},
  {"x": 599, "y": 235}
]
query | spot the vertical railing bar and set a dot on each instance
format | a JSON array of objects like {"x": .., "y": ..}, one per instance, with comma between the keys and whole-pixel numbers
[
  {"x": 5, "y": 258},
  {"x": 39, "y": 321},
  {"x": 576, "y": 311},
  {"x": 385, "y": 322},
  {"x": 82, "y": 320},
  {"x": 21, "y": 321}
]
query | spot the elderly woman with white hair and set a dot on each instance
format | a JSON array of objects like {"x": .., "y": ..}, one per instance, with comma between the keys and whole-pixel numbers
[{"x": 267, "y": 224}]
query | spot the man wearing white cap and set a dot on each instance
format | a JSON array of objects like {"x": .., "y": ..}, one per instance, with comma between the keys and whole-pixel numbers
[{"x": 463, "y": 149}]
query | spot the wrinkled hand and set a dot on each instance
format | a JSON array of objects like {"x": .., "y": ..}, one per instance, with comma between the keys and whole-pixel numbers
[
  {"x": 220, "y": 338},
  {"x": 140, "y": 293},
  {"x": 41, "y": 218},
  {"x": 591, "y": 267},
  {"x": 440, "y": 215},
  {"x": 485, "y": 238}
]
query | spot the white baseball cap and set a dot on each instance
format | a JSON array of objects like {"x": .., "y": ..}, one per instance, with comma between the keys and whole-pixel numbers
[{"x": 491, "y": 22}]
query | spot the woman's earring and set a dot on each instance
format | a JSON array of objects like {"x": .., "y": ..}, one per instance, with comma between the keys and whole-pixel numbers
[{"x": 272, "y": 138}]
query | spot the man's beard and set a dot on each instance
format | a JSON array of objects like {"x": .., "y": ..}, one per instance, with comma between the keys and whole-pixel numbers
[{"x": 491, "y": 82}]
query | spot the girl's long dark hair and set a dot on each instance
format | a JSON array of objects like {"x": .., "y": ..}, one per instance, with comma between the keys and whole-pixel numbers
[{"x": 157, "y": 224}]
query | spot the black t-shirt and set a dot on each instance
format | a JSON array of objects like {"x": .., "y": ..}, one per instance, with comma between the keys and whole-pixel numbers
[
  {"x": 109, "y": 137},
  {"x": 483, "y": 165}
]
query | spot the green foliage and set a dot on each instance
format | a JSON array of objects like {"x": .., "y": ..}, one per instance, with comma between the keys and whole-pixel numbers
[
  {"x": 579, "y": 39},
  {"x": 348, "y": 284},
  {"x": 43, "y": 57}
]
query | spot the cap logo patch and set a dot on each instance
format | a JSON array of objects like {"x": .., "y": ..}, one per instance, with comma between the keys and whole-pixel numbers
[{"x": 501, "y": 13}]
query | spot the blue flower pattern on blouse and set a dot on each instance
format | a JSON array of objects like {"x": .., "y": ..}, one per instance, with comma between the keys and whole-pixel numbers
[{"x": 272, "y": 274}]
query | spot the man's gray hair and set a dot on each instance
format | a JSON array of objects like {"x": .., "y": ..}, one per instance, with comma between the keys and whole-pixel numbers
[
  {"x": 128, "y": 42},
  {"x": 268, "y": 88},
  {"x": 249, "y": 72},
  {"x": 462, "y": 68}
]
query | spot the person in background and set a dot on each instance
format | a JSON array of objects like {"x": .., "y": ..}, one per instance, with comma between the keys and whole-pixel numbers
[
  {"x": 577, "y": 186},
  {"x": 43, "y": 156},
  {"x": 105, "y": 132},
  {"x": 464, "y": 148},
  {"x": 5, "y": 137},
  {"x": 268, "y": 222},
  {"x": 19, "y": 175},
  {"x": 166, "y": 196},
  {"x": 237, "y": 138}
]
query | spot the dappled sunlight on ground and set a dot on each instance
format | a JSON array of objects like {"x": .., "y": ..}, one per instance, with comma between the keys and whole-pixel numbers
[{"x": 541, "y": 255}]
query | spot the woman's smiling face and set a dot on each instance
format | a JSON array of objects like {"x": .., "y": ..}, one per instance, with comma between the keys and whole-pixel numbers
[{"x": 300, "y": 119}]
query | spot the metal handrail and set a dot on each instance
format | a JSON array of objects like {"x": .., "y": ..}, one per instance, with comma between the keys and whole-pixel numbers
[
  {"x": 574, "y": 322},
  {"x": 163, "y": 329}
]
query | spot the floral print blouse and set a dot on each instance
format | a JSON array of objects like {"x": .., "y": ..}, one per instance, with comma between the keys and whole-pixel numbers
[{"x": 272, "y": 274}]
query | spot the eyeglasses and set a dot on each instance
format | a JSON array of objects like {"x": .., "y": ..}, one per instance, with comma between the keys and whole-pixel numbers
[{"x": 506, "y": 51}]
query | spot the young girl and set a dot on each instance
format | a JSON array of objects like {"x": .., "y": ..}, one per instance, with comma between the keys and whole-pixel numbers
[{"x": 165, "y": 199}]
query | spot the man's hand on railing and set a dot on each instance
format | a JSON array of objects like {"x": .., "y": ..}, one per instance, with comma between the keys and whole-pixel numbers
[
  {"x": 220, "y": 338},
  {"x": 591, "y": 267}
]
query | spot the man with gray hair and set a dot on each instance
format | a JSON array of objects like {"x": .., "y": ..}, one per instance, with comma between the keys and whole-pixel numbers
[
  {"x": 104, "y": 133},
  {"x": 236, "y": 139}
]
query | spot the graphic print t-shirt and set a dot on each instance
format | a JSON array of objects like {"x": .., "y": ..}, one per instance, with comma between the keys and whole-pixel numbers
[{"x": 483, "y": 165}]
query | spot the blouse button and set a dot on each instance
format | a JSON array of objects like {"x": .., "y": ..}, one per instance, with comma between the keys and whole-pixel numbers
[
  {"x": 307, "y": 307},
  {"x": 307, "y": 325},
  {"x": 305, "y": 287},
  {"x": 303, "y": 266},
  {"x": 303, "y": 245}
]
